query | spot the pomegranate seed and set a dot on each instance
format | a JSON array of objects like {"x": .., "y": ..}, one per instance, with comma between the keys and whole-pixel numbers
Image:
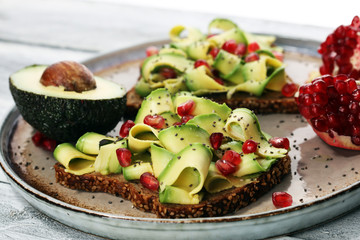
[
  {"x": 344, "y": 99},
  {"x": 355, "y": 130},
  {"x": 305, "y": 111},
  {"x": 307, "y": 88},
  {"x": 332, "y": 93},
  {"x": 219, "y": 81},
  {"x": 37, "y": 138},
  {"x": 328, "y": 79},
  {"x": 149, "y": 181},
  {"x": 252, "y": 47},
  {"x": 280, "y": 142},
  {"x": 240, "y": 49},
  {"x": 186, "y": 118},
  {"x": 355, "y": 140},
  {"x": 225, "y": 167},
  {"x": 214, "y": 52},
  {"x": 232, "y": 157},
  {"x": 230, "y": 46},
  {"x": 186, "y": 108},
  {"x": 306, "y": 99},
  {"x": 320, "y": 98},
  {"x": 356, "y": 95},
  {"x": 155, "y": 121},
  {"x": 49, "y": 144},
  {"x": 168, "y": 73},
  {"x": 201, "y": 62},
  {"x": 333, "y": 120},
  {"x": 319, "y": 124},
  {"x": 289, "y": 89},
  {"x": 177, "y": 124},
  {"x": 282, "y": 199},
  {"x": 317, "y": 110},
  {"x": 249, "y": 146},
  {"x": 319, "y": 86},
  {"x": 124, "y": 156},
  {"x": 252, "y": 57},
  {"x": 350, "y": 85},
  {"x": 216, "y": 140},
  {"x": 354, "y": 107},
  {"x": 125, "y": 128},
  {"x": 278, "y": 55},
  {"x": 152, "y": 50}
]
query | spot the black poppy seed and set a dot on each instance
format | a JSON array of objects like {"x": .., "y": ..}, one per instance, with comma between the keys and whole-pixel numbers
[
  {"x": 326, "y": 166},
  {"x": 110, "y": 202},
  {"x": 305, "y": 190},
  {"x": 301, "y": 200},
  {"x": 190, "y": 185},
  {"x": 181, "y": 139},
  {"x": 36, "y": 167},
  {"x": 291, "y": 134},
  {"x": 352, "y": 169},
  {"x": 317, "y": 148},
  {"x": 356, "y": 172},
  {"x": 93, "y": 197},
  {"x": 176, "y": 134},
  {"x": 178, "y": 157},
  {"x": 333, "y": 190},
  {"x": 295, "y": 173},
  {"x": 301, "y": 179},
  {"x": 329, "y": 183},
  {"x": 344, "y": 175},
  {"x": 42, "y": 168},
  {"x": 277, "y": 126}
]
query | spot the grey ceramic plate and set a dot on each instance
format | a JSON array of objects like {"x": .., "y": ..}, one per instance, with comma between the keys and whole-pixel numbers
[{"x": 324, "y": 181}]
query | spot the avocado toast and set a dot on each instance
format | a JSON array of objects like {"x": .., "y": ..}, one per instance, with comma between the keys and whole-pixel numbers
[
  {"x": 183, "y": 156},
  {"x": 229, "y": 66}
]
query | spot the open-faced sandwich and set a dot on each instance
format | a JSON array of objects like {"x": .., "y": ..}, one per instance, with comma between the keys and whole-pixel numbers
[
  {"x": 183, "y": 156},
  {"x": 230, "y": 66}
]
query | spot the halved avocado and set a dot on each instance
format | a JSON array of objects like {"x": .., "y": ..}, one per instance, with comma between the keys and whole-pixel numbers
[{"x": 66, "y": 115}]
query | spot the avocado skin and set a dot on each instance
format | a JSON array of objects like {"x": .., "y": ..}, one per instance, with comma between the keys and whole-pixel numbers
[{"x": 65, "y": 120}]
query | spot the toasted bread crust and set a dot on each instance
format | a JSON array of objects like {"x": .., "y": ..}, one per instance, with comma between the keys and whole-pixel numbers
[
  {"x": 218, "y": 204},
  {"x": 269, "y": 102}
]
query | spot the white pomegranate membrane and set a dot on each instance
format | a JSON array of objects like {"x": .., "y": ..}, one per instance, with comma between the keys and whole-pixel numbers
[{"x": 331, "y": 104}]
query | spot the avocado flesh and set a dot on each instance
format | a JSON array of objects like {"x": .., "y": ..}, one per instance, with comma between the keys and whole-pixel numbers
[{"x": 64, "y": 115}]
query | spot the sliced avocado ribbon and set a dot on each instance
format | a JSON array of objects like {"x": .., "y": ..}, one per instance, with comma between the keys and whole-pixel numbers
[
  {"x": 141, "y": 136},
  {"x": 243, "y": 124},
  {"x": 185, "y": 173},
  {"x": 73, "y": 160}
]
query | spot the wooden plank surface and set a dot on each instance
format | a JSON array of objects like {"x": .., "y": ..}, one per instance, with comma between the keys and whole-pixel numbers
[{"x": 44, "y": 32}]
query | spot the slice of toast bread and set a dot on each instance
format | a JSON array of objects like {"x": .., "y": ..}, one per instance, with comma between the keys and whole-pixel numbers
[
  {"x": 219, "y": 204},
  {"x": 269, "y": 102}
]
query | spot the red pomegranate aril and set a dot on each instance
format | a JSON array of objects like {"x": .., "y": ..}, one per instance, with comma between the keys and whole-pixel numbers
[
  {"x": 319, "y": 124},
  {"x": 49, "y": 144},
  {"x": 317, "y": 110},
  {"x": 186, "y": 108},
  {"x": 350, "y": 85},
  {"x": 319, "y": 86},
  {"x": 240, "y": 49},
  {"x": 155, "y": 121},
  {"x": 278, "y": 55},
  {"x": 306, "y": 100},
  {"x": 225, "y": 167},
  {"x": 344, "y": 99},
  {"x": 320, "y": 98},
  {"x": 354, "y": 107},
  {"x": 37, "y": 138},
  {"x": 306, "y": 89},
  {"x": 251, "y": 57},
  {"x": 282, "y": 199},
  {"x": 232, "y": 157},
  {"x": 280, "y": 142},
  {"x": 305, "y": 111},
  {"x": 328, "y": 79},
  {"x": 149, "y": 181},
  {"x": 230, "y": 46},
  {"x": 343, "y": 111},
  {"x": 186, "y": 118},
  {"x": 340, "y": 77},
  {"x": 355, "y": 130},
  {"x": 152, "y": 50},
  {"x": 332, "y": 93},
  {"x": 351, "y": 119},
  {"x": 201, "y": 62},
  {"x": 289, "y": 89},
  {"x": 355, "y": 140},
  {"x": 168, "y": 73},
  {"x": 356, "y": 95},
  {"x": 219, "y": 81},
  {"x": 124, "y": 156},
  {"x": 333, "y": 120},
  {"x": 214, "y": 52},
  {"x": 216, "y": 140},
  {"x": 253, "y": 46},
  {"x": 341, "y": 87},
  {"x": 125, "y": 128},
  {"x": 249, "y": 146}
]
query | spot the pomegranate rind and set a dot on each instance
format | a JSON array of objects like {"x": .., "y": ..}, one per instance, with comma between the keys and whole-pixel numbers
[{"x": 340, "y": 141}]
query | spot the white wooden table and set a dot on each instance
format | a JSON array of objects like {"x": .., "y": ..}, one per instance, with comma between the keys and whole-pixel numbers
[{"x": 49, "y": 31}]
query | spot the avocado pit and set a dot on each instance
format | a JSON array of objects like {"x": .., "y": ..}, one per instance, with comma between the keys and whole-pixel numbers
[{"x": 71, "y": 75}]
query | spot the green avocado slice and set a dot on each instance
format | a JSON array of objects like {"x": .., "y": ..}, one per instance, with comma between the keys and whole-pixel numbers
[
  {"x": 184, "y": 173},
  {"x": 176, "y": 138},
  {"x": 73, "y": 160},
  {"x": 89, "y": 143},
  {"x": 243, "y": 124}
]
